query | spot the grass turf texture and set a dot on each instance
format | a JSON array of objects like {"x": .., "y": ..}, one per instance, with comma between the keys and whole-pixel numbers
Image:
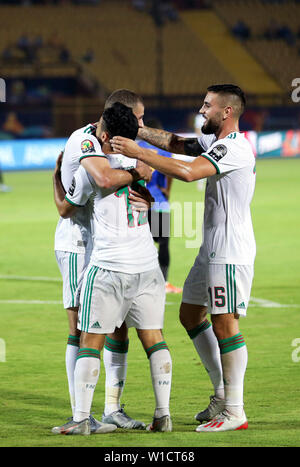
[{"x": 33, "y": 386}]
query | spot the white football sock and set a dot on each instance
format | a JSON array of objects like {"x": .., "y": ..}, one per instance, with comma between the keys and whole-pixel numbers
[
  {"x": 234, "y": 357},
  {"x": 86, "y": 374},
  {"x": 207, "y": 347},
  {"x": 161, "y": 374},
  {"x": 70, "y": 360},
  {"x": 115, "y": 370}
]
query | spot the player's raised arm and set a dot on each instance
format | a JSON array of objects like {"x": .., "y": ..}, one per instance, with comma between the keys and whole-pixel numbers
[
  {"x": 185, "y": 171},
  {"x": 170, "y": 142},
  {"x": 108, "y": 178}
]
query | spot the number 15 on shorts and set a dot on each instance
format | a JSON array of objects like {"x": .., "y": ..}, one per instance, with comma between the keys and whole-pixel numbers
[{"x": 217, "y": 297}]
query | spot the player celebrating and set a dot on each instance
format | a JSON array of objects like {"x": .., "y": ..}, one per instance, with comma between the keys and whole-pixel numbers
[
  {"x": 220, "y": 280},
  {"x": 73, "y": 244},
  {"x": 123, "y": 280}
]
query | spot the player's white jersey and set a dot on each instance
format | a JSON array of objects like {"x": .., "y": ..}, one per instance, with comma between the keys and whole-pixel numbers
[
  {"x": 228, "y": 232},
  {"x": 74, "y": 235},
  {"x": 206, "y": 141},
  {"x": 122, "y": 240}
]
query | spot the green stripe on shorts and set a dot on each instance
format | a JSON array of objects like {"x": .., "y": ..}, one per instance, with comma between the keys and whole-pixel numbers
[
  {"x": 231, "y": 288},
  {"x": 86, "y": 305},
  {"x": 73, "y": 276}
]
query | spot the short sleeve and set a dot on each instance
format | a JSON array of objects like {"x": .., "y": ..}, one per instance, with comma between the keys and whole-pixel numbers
[
  {"x": 80, "y": 189},
  {"x": 88, "y": 146},
  {"x": 225, "y": 155},
  {"x": 206, "y": 141}
]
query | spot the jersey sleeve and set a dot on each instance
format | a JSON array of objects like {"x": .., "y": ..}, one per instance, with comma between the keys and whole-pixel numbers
[
  {"x": 225, "y": 155},
  {"x": 81, "y": 188},
  {"x": 88, "y": 146},
  {"x": 206, "y": 141}
]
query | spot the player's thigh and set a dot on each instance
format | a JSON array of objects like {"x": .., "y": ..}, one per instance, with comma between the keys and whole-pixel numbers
[
  {"x": 120, "y": 334},
  {"x": 72, "y": 267},
  {"x": 72, "y": 314},
  {"x": 148, "y": 307},
  {"x": 229, "y": 288},
  {"x": 102, "y": 304},
  {"x": 195, "y": 286}
]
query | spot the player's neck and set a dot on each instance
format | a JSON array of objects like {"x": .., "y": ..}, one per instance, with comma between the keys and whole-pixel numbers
[
  {"x": 106, "y": 148},
  {"x": 227, "y": 128}
]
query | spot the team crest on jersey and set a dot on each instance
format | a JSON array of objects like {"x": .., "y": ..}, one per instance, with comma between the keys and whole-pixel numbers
[
  {"x": 218, "y": 152},
  {"x": 72, "y": 187},
  {"x": 87, "y": 146}
]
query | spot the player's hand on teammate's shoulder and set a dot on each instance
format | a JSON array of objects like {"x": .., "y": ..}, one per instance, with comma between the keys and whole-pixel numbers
[
  {"x": 125, "y": 146},
  {"x": 144, "y": 171}
]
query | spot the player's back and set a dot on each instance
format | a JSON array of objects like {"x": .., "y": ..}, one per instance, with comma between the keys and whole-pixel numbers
[
  {"x": 122, "y": 240},
  {"x": 74, "y": 234}
]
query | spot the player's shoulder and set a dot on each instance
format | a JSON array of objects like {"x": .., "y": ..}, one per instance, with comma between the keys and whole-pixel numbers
[
  {"x": 84, "y": 140},
  {"x": 86, "y": 132},
  {"x": 206, "y": 141},
  {"x": 234, "y": 143}
]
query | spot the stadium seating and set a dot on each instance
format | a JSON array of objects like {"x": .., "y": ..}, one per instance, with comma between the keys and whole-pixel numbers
[
  {"x": 127, "y": 53},
  {"x": 124, "y": 45},
  {"x": 279, "y": 56}
]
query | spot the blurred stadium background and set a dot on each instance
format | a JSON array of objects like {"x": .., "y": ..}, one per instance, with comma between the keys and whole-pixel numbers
[{"x": 60, "y": 59}]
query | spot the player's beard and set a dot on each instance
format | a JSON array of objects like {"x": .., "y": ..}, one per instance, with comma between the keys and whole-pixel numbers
[{"x": 210, "y": 127}]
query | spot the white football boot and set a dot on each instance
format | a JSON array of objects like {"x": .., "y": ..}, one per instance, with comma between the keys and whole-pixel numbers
[{"x": 225, "y": 421}]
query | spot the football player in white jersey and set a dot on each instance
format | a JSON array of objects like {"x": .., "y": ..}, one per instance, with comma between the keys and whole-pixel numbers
[
  {"x": 73, "y": 243},
  {"x": 220, "y": 280},
  {"x": 123, "y": 281}
]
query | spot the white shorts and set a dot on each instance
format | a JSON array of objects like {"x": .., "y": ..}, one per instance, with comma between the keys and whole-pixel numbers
[
  {"x": 223, "y": 288},
  {"x": 72, "y": 267},
  {"x": 109, "y": 298}
]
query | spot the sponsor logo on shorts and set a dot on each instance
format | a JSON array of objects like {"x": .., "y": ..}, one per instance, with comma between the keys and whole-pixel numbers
[{"x": 96, "y": 325}]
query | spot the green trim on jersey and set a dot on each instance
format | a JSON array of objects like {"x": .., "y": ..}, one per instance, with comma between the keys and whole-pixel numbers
[
  {"x": 91, "y": 155},
  {"x": 212, "y": 161},
  {"x": 231, "y": 288},
  {"x": 231, "y": 135},
  {"x": 90, "y": 129},
  {"x": 74, "y": 204},
  {"x": 73, "y": 276}
]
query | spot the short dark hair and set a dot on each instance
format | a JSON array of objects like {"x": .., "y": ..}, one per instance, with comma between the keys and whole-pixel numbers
[
  {"x": 230, "y": 89},
  {"x": 119, "y": 120},
  {"x": 125, "y": 96}
]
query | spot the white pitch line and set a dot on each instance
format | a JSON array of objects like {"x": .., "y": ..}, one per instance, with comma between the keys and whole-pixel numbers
[
  {"x": 31, "y": 278},
  {"x": 258, "y": 302},
  {"x": 261, "y": 302},
  {"x": 31, "y": 302}
]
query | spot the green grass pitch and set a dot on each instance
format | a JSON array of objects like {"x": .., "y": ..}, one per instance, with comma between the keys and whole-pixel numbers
[{"x": 33, "y": 327}]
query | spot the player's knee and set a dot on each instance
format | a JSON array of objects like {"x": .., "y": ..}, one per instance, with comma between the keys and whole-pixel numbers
[
  {"x": 149, "y": 337},
  {"x": 224, "y": 325},
  {"x": 191, "y": 315}
]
